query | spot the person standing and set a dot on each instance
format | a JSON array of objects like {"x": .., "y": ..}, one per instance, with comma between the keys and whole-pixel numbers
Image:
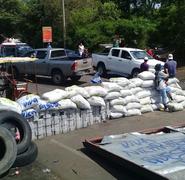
[
  {"x": 116, "y": 40},
  {"x": 81, "y": 49},
  {"x": 161, "y": 79},
  {"x": 170, "y": 66},
  {"x": 144, "y": 66},
  {"x": 150, "y": 52}
]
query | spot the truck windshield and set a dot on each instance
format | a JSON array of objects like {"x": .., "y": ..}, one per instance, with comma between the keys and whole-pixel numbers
[
  {"x": 8, "y": 50},
  {"x": 15, "y": 50},
  {"x": 140, "y": 54}
]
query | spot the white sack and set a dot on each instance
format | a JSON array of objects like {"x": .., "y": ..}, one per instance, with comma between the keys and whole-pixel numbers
[
  {"x": 146, "y": 100},
  {"x": 131, "y": 98},
  {"x": 131, "y": 85},
  {"x": 118, "y": 109},
  {"x": 112, "y": 95},
  {"x": 133, "y": 112},
  {"x": 45, "y": 105},
  {"x": 67, "y": 104},
  {"x": 146, "y": 75},
  {"x": 183, "y": 104},
  {"x": 157, "y": 106},
  {"x": 120, "y": 81},
  {"x": 96, "y": 91},
  {"x": 146, "y": 108},
  {"x": 143, "y": 94},
  {"x": 177, "y": 91},
  {"x": 54, "y": 95},
  {"x": 172, "y": 81},
  {"x": 175, "y": 107},
  {"x": 152, "y": 70},
  {"x": 175, "y": 85},
  {"x": 148, "y": 84},
  {"x": 28, "y": 101},
  {"x": 136, "y": 90},
  {"x": 29, "y": 113},
  {"x": 116, "y": 115},
  {"x": 110, "y": 86},
  {"x": 9, "y": 105},
  {"x": 133, "y": 105},
  {"x": 81, "y": 102},
  {"x": 119, "y": 101},
  {"x": 125, "y": 93},
  {"x": 75, "y": 90},
  {"x": 137, "y": 81},
  {"x": 96, "y": 101},
  {"x": 179, "y": 98}
]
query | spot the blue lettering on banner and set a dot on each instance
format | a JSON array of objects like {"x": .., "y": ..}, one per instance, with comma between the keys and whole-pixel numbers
[
  {"x": 29, "y": 113},
  {"x": 49, "y": 106},
  {"x": 30, "y": 102},
  {"x": 155, "y": 151}
]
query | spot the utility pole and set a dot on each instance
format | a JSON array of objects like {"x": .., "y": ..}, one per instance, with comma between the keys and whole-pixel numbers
[{"x": 64, "y": 22}]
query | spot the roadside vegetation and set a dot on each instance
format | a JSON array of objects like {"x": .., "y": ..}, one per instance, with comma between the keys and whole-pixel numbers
[{"x": 142, "y": 23}]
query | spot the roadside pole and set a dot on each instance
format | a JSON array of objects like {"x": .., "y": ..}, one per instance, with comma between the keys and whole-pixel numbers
[{"x": 64, "y": 22}]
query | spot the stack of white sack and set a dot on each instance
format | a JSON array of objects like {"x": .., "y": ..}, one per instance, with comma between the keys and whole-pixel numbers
[
  {"x": 178, "y": 95},
  {"x": 122, "y": 100},
  {"x": 149, "y": 97},
  {"x": 125, "y": 97},
  {"x": 113, "y": 99}
]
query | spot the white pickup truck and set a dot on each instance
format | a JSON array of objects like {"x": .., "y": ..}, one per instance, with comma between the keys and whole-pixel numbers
[{"x": 122, "y": 61}]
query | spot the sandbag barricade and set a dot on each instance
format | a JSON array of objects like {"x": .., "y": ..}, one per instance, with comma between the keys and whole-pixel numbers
[
  {"x": 62, "y": 111},
  {"x": 52, "y": 122}
]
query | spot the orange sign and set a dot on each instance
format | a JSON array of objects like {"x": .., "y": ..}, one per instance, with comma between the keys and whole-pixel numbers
[{"x": 47, "y": 34}]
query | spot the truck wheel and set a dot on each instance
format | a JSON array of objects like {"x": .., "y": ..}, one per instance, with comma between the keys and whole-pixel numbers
[
  {"x": 75, "y": 78},
  {"x": 102, "y": 70},
  {"x": 135, "y": 73},
  {"x": 58, "y": 77},
  {"x": 8, "y": 150}
]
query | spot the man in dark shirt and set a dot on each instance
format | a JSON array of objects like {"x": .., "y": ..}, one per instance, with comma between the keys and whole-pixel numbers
[
  {"x": 170, "y": 66},
  {"x": 144, "y": 66}
]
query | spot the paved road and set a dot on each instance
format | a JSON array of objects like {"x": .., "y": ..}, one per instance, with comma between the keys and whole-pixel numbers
[
  {"x": 66, "y": 159},
  {"x": 45, "y": 84}
]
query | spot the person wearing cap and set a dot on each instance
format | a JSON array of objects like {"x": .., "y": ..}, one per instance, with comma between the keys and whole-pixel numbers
[
  {"x": 170, "y": 66},
  {"x": 144, "y": 66}
]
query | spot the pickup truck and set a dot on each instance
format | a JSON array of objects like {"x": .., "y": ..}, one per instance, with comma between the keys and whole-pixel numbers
[
  {"x": 55, "y": 63},
  {"x": 123, "y": 61}
]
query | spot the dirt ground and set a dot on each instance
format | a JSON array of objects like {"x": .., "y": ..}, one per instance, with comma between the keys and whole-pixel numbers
[{"x": 64, "y": 157}]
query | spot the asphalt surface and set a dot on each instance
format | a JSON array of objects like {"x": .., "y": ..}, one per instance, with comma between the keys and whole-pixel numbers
[{"x": 63, "y": 157}]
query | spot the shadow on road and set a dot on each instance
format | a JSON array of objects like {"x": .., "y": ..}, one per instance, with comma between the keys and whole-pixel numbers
[
  {"x": 114, "y": 169},
  {"x": 48, "y": 81}
]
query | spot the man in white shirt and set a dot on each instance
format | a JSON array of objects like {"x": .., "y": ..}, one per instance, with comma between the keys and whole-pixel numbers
[
  {"x": 164, "y": 90},
  {"x": 81, "y": 48}
]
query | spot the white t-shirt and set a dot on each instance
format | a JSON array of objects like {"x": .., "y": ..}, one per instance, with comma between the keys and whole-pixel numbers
[
  {"x": 162, "y": 83},
  {"x": 81, "y": 49}
]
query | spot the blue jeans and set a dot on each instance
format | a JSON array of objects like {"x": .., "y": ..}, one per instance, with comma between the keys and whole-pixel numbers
[{"x": 164, "y": 94}]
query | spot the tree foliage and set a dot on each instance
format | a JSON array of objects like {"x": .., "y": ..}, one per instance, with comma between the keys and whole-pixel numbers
[{"x": 139, "y": 22}]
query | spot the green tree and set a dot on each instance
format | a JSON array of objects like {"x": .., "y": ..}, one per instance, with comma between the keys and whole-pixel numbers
[{"x": 11, "y": 17}]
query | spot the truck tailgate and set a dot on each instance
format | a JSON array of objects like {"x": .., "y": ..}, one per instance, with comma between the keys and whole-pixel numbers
[{"x": 83, "y": 64}]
